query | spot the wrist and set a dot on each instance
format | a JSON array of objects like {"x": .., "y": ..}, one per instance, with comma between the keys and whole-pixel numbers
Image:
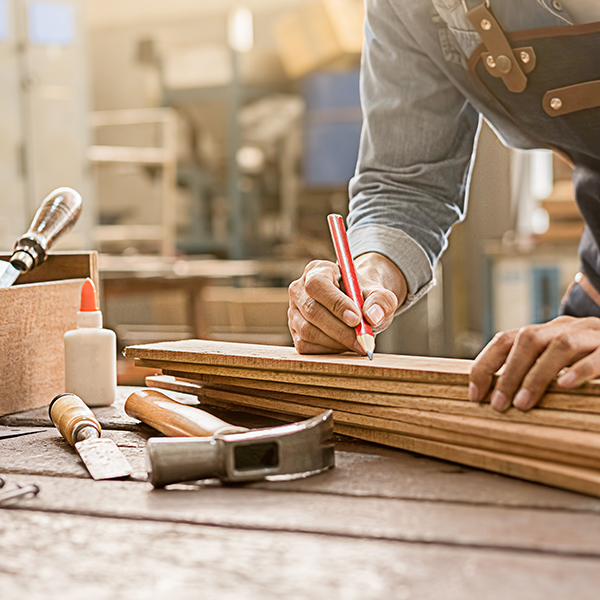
[{"x": 375, "y": 269}]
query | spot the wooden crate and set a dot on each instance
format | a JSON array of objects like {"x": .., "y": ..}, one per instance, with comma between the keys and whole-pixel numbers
[{"x": 34, "y": 315}]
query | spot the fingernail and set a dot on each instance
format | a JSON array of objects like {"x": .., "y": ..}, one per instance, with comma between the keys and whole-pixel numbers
[
  {"x": 351, "y": 318},
  {"x": 499, "y": 401},
  {"x": 567, "y": 379},
  {"x": 375, "y": 314},
  {"x": 522, "y": 400},
  {"x": 473, "y": 393}
]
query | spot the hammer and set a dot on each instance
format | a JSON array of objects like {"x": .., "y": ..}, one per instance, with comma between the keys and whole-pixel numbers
[{"x": 213, "y": 448}]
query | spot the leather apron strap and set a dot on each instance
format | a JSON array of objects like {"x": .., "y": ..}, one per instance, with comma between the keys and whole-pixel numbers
[
  {"x": 501, "y": 61},
  {"x": 554, "y": 97}
]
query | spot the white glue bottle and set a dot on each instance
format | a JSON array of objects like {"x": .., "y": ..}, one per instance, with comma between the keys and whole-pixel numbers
[{"x": 91, "y": 354}]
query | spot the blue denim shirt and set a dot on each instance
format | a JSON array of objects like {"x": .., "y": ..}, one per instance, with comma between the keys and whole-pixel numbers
[{"x": 422, "y": 113}]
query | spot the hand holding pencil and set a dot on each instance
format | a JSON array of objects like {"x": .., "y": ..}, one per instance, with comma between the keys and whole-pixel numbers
[
  {"x": 322, "y": 318},
  {"x": 364, "y": 332}
]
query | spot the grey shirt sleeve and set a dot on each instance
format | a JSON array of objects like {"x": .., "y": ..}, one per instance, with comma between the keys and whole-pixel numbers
[{"x": 416, "y": 149}]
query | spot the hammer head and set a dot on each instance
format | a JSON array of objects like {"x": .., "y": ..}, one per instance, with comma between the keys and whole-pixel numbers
[{"x": 286, "y": 452}]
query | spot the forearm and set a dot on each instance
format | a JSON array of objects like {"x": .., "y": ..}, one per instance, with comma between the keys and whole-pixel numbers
[{"x": 416, "y": 148}]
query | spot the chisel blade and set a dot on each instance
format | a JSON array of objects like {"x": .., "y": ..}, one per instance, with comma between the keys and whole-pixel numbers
[
  {"x": 103, "y": 459},
  {"x": 8, "y": 274}
]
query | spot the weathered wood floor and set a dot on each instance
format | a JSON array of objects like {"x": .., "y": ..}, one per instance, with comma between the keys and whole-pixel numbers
[{"x": 383, "y": 524}]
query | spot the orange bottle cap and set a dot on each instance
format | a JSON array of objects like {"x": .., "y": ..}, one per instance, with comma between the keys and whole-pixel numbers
[{"x": 89, "y": 302}]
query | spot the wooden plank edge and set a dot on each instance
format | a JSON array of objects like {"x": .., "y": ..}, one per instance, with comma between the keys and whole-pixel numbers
[
  {"x": 567, "y": 477},
  {"x": 541, "y": 449}
]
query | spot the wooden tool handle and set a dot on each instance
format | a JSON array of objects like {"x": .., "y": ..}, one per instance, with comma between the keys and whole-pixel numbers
[
  {"x": 57, "y": 214},
  {"x": 175, "y": 419},
  {"x": 71, "y": 415}
]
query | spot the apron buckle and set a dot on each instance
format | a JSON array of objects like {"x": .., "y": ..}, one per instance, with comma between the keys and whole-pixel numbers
[{"x": 501, "y": 59}]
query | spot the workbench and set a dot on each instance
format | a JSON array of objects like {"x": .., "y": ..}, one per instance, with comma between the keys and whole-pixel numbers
[
  {"x": 383, "y": 524},
  {"x": 127, "y": 276}
]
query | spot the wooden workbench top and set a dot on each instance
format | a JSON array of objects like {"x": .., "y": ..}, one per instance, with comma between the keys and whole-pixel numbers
[{"x": 382, "y": 524}]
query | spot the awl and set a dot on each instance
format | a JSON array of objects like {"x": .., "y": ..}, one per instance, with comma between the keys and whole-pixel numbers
[
  {"x": 57, "y": 214},
  {"x": 78, "y": 425},
  {"x": 220, "y": 450}
]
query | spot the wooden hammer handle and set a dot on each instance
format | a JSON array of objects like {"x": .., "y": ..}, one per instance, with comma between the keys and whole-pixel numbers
[{"x": 175, "y": 419}]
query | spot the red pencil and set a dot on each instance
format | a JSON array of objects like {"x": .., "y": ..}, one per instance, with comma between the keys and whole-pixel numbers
[{"x": 364, "y": 333}]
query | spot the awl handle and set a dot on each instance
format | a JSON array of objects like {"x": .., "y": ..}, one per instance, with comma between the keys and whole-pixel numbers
[
  {"x": 72, "y": 416},
  {"x": 173, "y": 418},
  {"x": 57, "y": 214}
]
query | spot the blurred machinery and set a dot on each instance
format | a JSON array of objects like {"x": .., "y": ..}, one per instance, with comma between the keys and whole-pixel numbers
[{"x": 43, "y": 112}]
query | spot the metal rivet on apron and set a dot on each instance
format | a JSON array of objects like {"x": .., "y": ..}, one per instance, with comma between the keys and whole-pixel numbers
[
  {"x": 490, "y": 62},
  {"x": 504, "y": 64},
  {"x": 557, "y": 5},
  {"x": 556, "y": 103},
  {"x": 525, "y": 57},
  {"x": 486, "y": 25}
]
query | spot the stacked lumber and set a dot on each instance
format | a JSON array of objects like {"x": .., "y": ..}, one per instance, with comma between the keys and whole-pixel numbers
[
  {"x": 565, "y": 222},
  {"x": 418, "y": 404}
]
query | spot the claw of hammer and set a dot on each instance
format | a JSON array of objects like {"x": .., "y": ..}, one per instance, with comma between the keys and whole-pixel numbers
[{"x": 231, "y": 454}]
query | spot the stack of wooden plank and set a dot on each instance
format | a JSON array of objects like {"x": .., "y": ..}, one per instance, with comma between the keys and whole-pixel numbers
[{"x": 415, "y": 403}]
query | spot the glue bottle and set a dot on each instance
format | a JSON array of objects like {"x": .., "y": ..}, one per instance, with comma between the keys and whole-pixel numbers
[{"x": 91, "y": 354}]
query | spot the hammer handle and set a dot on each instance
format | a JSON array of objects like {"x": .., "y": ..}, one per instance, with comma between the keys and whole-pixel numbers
[{"x": 175, "y": 419}]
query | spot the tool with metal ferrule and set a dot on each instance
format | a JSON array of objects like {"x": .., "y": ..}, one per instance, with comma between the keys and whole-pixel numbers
[
  {"x": 232, "y": 454},
  {"x": 78, "y": 425},
  {"x": 57, "y": 214}
]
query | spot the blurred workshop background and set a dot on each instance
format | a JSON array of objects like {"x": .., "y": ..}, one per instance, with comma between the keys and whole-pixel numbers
[{"x": 210, "y": 139}]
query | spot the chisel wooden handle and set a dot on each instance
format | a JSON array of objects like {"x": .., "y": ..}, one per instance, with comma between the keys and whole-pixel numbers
[
  {"x": 57, "y": 214},
  {"x": 71, "y": 416},
  {"x": 175, "y": 419}
]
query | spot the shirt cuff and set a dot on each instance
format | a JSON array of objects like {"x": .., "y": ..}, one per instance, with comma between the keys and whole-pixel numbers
[{"x": 402, "y": 250}]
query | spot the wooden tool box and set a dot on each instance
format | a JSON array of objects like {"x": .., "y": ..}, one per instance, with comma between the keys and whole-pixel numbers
[{"x": 34, "y": 315}]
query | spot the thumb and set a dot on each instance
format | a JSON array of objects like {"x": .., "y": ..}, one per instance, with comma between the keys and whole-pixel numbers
[{"x": 379, "y": 307}]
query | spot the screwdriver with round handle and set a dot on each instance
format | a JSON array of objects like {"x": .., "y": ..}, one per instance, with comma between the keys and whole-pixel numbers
[
  {"x": 57, "y": 214},
  {"x": 79, "y": 426}
]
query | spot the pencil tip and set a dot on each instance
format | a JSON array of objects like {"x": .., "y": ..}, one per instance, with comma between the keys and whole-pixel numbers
[{"x": 367, "y": 343}]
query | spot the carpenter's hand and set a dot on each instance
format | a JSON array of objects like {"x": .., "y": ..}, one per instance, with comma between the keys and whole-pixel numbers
[
  {"x": 532, "y": 357},
  {"x": 322, "y": 318}
]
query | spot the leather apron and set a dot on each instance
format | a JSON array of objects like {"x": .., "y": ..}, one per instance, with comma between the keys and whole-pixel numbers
[{"x": 548, "y": 82}]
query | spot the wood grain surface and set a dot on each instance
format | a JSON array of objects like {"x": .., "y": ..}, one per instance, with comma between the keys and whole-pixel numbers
[
  {"x": 33, "y": 320},
  {"x": 384, "y": 523},
  {"x": 300, "y": 383},
  {"x": 362, "y": 400},
  {"x": 101, "y": 558},
  {"x": 254, "y": 357},
  {"x": 62, "y": 265},
  {"x": 502, "y": 447}
]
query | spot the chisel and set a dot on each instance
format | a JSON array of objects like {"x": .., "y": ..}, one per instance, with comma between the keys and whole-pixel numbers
[
  {"x": 57, "y": 214},
  {"x": 78, "y": 425}
]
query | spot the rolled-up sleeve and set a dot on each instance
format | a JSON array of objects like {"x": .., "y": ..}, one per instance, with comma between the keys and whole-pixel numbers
[{"x": 417, "y": 144}]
